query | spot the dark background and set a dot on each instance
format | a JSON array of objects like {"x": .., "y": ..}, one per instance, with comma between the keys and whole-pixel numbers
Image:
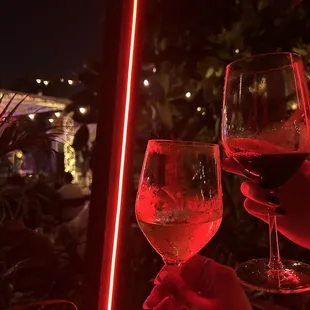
[{"x": 48, "y": 38}]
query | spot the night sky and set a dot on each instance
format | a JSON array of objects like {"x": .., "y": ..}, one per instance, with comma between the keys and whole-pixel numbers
[{"x": 48, "y": 37}]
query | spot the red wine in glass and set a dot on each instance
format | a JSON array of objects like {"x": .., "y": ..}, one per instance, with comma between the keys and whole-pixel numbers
[{"x": 269, "y": 170}]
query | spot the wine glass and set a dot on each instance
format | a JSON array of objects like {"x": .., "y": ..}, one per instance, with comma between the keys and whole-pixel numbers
[
  {"x": 265, "y": 131},
  {"x": 179, "y": 201}
]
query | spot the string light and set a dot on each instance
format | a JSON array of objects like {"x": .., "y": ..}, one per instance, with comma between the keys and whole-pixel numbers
[
  {"x": 146, "y": 83},
  {"x": 82, "y": 110},
  {"x": 154, "y": 70},
  {"x": 19, "y": 154},
  {"x": 237, "y": 51},
  {"x": 70, "y": 82},
  {"x": 46, "y": 83},
  {"x": 51, "y": 120},
  {"x": 69, "y": 153},
  {"x": 57, "y": 114},
  {"x": 199, "y": 109},
  {"x": 38, "y": 81},
  {"x": 31, "y": 116},
  {"x": 188, "y": 94},
  {"x": 62, "y": 80},
  {"x": 294, "y": 106}
]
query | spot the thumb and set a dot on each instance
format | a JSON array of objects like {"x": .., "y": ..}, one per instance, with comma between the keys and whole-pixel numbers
[{"x": 181, "y": 292}]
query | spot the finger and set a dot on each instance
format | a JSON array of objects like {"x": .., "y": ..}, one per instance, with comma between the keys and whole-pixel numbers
[
  {"x": 222, "y": 285},
  {"x": 231, "y": 166},
  {"x": 256, "y": 209},
  {"x": 168, "y": 303},
  {"x": 183, "y": 294},
  {"x": 259, "y": 195},
  {"x": 192, "y": 272},
  {"x": 216, "y": 278},
  {"x": 166, "y": 269},
  {"x": 158, "y": 293}
]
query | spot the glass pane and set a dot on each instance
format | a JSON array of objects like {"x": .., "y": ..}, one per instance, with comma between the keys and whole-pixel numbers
[
  {"x": 185, "y": 50},
  {"x": 53, "y": 54}
]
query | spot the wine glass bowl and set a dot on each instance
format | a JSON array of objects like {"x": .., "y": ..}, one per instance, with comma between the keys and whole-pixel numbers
[
  {"x": 265, "y": 131},
  {"x": 179, "y": 200}
]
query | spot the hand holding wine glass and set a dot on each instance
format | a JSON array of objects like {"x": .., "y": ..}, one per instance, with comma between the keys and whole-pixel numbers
[
  {"x": 291, "y": 204},
  {"x": 265, "y": 131},
  {"x": 179, "y": 200},
  {"x": 201, "y": 284}
]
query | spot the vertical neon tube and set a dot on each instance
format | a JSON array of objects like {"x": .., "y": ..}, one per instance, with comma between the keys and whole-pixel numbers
[{"x": 123, "y": 157}]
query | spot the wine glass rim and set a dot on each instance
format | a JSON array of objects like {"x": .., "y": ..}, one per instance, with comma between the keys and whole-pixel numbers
[
  {"x": 236, "y": 62},
  {"x": 184, "y": 143}
]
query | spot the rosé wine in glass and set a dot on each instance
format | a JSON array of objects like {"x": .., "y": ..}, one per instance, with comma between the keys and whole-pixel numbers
[{"x": 179, "y": 201}]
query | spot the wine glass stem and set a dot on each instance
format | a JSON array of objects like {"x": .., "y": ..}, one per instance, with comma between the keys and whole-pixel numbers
[{"x": 275, "y": 259}]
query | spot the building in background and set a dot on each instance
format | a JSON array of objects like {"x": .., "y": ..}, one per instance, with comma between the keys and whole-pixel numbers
[{"x": 47, "y": 114}]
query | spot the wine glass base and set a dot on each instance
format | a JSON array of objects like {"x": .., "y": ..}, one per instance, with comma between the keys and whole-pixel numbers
[{"x": 293, "y": 278}]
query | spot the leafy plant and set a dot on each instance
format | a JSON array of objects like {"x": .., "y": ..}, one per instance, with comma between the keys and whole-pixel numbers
[{"x": 16, "y": 135}]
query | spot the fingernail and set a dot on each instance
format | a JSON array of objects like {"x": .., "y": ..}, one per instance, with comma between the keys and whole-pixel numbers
[
  {"x": 279, "y": 211},
  {"x": 245, "y": 172},
  {"x": 251, "y": 176},
  {"x": 273, "y": 199},
  {"x": 162, "y": 275}
]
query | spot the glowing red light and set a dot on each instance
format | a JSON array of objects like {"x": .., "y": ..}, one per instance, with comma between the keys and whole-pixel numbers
[{"x": 123, "y": 156}]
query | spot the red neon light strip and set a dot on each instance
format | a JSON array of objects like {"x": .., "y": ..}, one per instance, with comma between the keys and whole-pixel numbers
[{"x": 123, "y": 156}]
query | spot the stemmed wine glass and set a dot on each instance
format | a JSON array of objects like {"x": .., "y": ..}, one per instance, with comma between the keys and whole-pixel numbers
[
  {"x": 265, "y": 130},
  {"x": 179, "y": 200}
]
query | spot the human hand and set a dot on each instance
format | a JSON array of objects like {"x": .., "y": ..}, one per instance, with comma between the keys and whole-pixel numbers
[
  {"x": 200, "y": 284},
  {"x": 291, "y": 205}
]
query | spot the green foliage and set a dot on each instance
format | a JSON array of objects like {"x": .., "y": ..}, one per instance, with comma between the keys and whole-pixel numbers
[
  {"x": 16, "y": 135},
  {"x": 191, "y": 43}
]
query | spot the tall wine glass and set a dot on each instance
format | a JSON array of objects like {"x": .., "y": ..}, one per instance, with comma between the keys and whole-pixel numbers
[
  {"x": 265, "y": 130},
  {"x": 179, "y": 200}
]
